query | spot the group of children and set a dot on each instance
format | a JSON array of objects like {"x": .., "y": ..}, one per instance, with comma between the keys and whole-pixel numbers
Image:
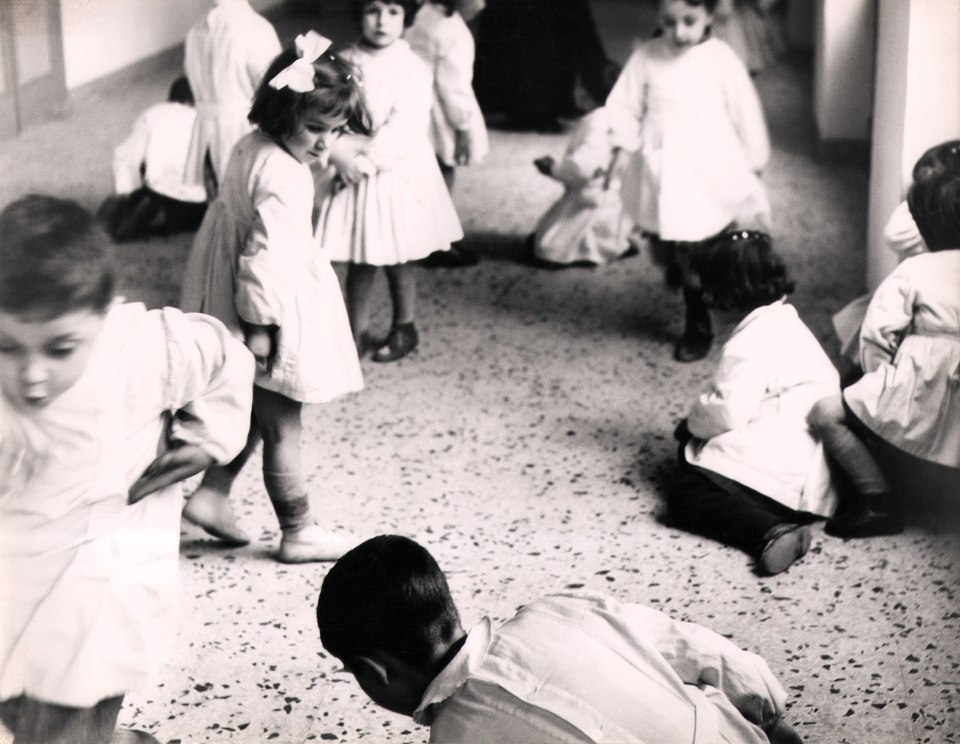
[{"x": 107, "y": 406}]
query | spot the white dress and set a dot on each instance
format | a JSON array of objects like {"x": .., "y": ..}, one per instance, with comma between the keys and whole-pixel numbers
[
  {"x": 402, "y": 210},
  {"x": 910, "y": 353},
  {"x": 445, "y": 43},
  {"x": 256, "y": 259},
  {"x": 751, "y": 424},
  {"x": 699, "y": 137},
  {"x": 587, "y": 222},
  {"x": 88, "y": 583},
  {"x": 154, "y": 154},
  {"x": 225, "y": 56}
]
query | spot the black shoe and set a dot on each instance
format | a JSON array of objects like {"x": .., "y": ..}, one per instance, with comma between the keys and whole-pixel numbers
[
  {"x": 783, "y": 545},
  {"x": 865, "y": 520},
  {"x": 403, "y": 340},
  {"x": 454, "y": 258},
  {"x": 692, "y": 346}
]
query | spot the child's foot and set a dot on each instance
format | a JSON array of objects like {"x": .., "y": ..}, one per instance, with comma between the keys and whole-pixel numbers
[
  {"x": 403, "y": 340},
  {"x": 312, "y": 543},
  {"x": 863, "y": 519},
  {"x": 783, "y": 545},
  {"x": 692, "y": 346},
  {"x": 212, "y": 511}
]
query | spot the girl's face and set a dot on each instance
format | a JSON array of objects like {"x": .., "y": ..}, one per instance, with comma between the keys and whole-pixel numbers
[
  {"x": 42, "y": 359},
  {"x": 313, "y": 138},
  {"x": 382, "y": 23},
  {"x": 686, "y": 25}
]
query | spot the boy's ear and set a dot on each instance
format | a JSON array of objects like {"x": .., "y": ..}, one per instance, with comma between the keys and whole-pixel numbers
[{"x": 370, "y": 668}]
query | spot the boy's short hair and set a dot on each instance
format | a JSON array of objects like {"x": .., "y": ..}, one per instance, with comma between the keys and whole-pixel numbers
[
  {"x": 741, "y": 271},
  {"x": 410, "y": 8},
  {"x": 934, "y": 203},
  {"x": 54, "y": 259},
  {"x": 942, "y": 158},
  {"x": 336, "y": 94},
  {"x": 387, "y": 594}
]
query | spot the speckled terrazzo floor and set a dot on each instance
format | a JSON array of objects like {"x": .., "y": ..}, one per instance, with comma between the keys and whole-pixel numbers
[{"x": 525, "y": 445}]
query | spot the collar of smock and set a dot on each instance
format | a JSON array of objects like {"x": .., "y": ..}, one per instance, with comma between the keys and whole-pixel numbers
[
  {"x": 455, "y": 674},
  {"x": 778, "y": 305}
]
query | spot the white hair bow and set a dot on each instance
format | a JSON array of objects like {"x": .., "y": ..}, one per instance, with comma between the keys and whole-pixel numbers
[{"x": 298, "y": 75}]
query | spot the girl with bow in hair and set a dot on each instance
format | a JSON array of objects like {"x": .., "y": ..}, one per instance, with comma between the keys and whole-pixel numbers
[{"x": 256, "y": 265}]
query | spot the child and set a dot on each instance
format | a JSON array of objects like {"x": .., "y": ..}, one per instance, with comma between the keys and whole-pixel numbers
[
  {"x": 256, "y": 266},
  {"x": 750, "y": 28},
  {"x": 225, "y": 55},
  {"x": 570, "y": 667},
  {"x": 148, "y": 172},
  {"x": 895, "y": 434},
  {"x": 92, "y": 390},
  {"x": 586, "y": 224},
  {"x": 440, "y": 37},
  {"x": 393, "y": 207},
  {"x": 752, "y": 475},
  {"x": 685, "y": 103}
]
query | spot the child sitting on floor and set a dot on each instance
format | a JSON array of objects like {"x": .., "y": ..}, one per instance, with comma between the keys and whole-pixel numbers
[
  {"x": 753, "y": 476},
  {"x": 570, "y": 667}
]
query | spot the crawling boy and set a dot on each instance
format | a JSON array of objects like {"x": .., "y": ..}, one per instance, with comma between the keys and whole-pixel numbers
[{"x": 576, "y": 667}]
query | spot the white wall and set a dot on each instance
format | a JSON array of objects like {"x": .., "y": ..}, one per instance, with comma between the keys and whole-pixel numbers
[
  {"x": 102, "y": 36},
  {"x": 917, "y": 105},
  {"x": 843, "y": 68}
]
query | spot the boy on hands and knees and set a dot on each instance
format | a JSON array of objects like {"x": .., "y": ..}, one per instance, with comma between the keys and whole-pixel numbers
[{"x": 575, "y": 667}]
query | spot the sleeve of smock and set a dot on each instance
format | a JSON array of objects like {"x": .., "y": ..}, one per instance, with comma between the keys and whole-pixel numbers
[
  {"x": 746, "y": 112},
  {"x": 888, "y": 318},
  {"x": 901, "y": 234},
  {"x": 453, "y": 75},
  {"x": 733, "y": 398},
  {"x": 588, "y": 153},
  {"x": 209, "y": 384},
  {"x": 625, "y": 104},
  {"x": 129, "y": 155},
  {"x": 700, "y": 656},
  {"x": 22, "y": 446},
  {"x": 408, "y": 120},
  {"x": 280, "y": 237}
]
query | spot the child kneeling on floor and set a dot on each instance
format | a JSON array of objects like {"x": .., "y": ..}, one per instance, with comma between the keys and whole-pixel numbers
[
  {"x": 752, "y": 475},
  {"x": 570, "y": 667}
]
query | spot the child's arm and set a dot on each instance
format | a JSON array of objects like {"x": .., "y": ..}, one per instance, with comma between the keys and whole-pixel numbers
[
  {"x": 888, "y": 319},
  {"x": 128, "y": 157},
  {"x": 733, "y": 398},
  {"x": 626, "y": 104},
  {"x": 209, "y": 388},
  {"x": 746, "y": 112},
  {"x": 453, "y": 77}
]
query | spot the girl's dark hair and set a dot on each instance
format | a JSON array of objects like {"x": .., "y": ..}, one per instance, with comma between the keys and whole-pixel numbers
[
  {"x": 54, "y": 259},
  {"x": 387, "y": 594},
  {"x": 410, "y": 8},
  {"x": 941, "y": 158},
  {"x": 710, "y": 5},
  {"x": 741, "y": 271},
  {"x": 180, "y": 91},
  {"x": 934, "y": 203},
  {"x": 279, "y": 112}
]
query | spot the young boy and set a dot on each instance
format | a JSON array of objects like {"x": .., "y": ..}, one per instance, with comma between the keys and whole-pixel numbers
[{"x": 578, "y": 667}]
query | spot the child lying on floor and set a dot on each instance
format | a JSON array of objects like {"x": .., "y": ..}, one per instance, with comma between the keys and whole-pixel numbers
[{"x": 577, "y": 667}]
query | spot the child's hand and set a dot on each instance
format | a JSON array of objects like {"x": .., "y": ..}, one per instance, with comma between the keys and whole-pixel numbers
[
  {"x": 260, "y": 341},
  {"x": 170, "y": 467},
  {"x": 463, "y": 147},
  {"x": 545, "y": 164},
  {"x": 348, "y": 169}
]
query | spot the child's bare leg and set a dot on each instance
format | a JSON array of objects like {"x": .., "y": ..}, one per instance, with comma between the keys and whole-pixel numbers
[
  {"x": 403, "y": 338},
  {"x": 303, "y": 540},
  {"x": 34, "y": 722},
  {"x": 360, "y": 279},
  {"x": 209, "y": 506}
]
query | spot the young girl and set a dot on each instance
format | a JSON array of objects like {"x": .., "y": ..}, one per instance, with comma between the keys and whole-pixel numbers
[
  {"x": 752, "y": 475},
  {"x": 685, "y": 103},
  {"x": 586, "y": 224},
  {"x": 256, "y": 266},
  {"x": 895, "y": 434},
  {"x": 92, "y": 390},
  {"x": 393, "y": 207}
]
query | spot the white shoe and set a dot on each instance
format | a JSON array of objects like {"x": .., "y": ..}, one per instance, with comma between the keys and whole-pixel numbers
[{"x": 312, "y": 543}]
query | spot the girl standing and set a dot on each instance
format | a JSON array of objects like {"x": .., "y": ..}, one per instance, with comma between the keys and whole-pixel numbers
[
  {"x": 685, "y": 104},
  {"x": 752, "y": 475},
  {"x": 256, "y": 266},
  {"x": 92, "y": 390},
  {"x": 895, "y": 434},
  {"x": 389, "y": 206}
]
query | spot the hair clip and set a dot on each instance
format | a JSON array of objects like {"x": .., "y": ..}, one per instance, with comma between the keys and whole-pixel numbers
[{"x": 298, "y": 75}]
